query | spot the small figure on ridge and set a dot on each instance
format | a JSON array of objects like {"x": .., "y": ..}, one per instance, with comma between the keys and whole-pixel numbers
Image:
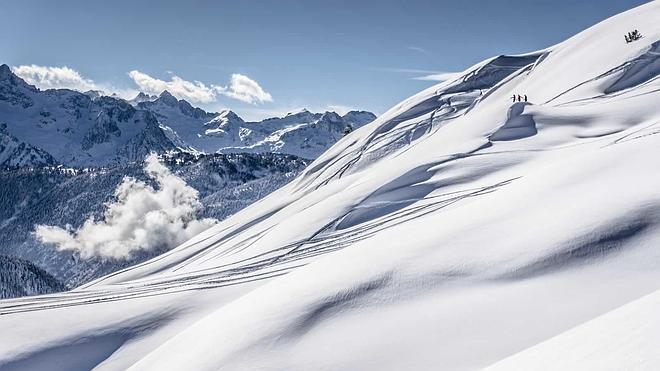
[{"x": 632, "y": 36}]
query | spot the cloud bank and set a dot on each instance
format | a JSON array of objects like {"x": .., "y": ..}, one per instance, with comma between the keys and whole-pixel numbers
[
  {"x": 193, "y": 91},
  {"x": 140, "y": 219},
  {"x": 46, "y": 77},
  {"x": 245, "y": 89},
  {"x": 240, "y": 87}
]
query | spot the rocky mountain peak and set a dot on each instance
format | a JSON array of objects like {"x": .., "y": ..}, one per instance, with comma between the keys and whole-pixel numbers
[{"x": 167, "y": 98}]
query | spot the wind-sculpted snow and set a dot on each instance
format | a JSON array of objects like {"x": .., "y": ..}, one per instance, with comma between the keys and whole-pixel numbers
[
  {"x": 423, "y": 114},
  {"x": 639, "y": 70},
  {"x": 456, "y": 230},
  {"x": 517, "y": 126}
]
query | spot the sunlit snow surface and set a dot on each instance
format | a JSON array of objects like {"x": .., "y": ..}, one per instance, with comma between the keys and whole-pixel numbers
[{"x": 455, "y": 231}]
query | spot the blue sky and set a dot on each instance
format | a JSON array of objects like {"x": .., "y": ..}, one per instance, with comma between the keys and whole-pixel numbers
[{"x": 264, "y": 58}]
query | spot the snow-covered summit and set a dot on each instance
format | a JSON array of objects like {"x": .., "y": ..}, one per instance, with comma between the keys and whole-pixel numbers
[
  {"x": 142, "y": 97},
  {"x": 75, "y": 129},
  {"x": 358, "y": 118},
  {"x": 91, "y": 128},
  {"x": 167, "y": 99},
  {"x": 94, "y": 93},
  {"x": 8, "y": 77},
  {"x": 226, "y": 121},
  {"x": 5, "y": 71},
  {"x": 303, "y": 133},
  {"x": 226, "y": 132}
]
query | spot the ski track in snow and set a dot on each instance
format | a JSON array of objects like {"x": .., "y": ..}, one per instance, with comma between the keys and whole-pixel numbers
[{"x": 257, "y": 267}]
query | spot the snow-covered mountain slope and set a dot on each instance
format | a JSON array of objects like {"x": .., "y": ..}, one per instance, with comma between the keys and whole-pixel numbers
[
  {"x": 623, "y": 339},
  {"x": 303, "y": 133},
  {"x": 457, "y": 229},
  {"x": 75, "y": 129},
  {"x": 68, "y": 197}
]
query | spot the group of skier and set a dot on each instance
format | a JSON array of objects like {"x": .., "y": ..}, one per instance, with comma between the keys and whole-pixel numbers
[
  {"x": 520, "y": 98},
  {"x": 632, "y": 36}
]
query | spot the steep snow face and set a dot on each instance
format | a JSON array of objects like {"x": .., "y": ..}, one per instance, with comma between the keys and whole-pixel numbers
[
  {"x": 455, "y": 230},
  {"x": 623, "y": 339},
  {"x": 73, "y": 128}
]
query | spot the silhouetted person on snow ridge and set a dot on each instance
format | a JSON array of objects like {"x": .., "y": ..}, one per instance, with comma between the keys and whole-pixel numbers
[
  {"x": 513, "y": 98},
  {"x": 525, "y": 97},
  {"x": 633, "y": 36},
  {"x": 519, "y": 98}
]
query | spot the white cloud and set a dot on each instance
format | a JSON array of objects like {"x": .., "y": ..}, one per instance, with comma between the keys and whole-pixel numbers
[
  {"x": 405, "y": 70},
  {"x": 240, "y": 87},
  {"x": 46, "y": 77},
  {"x": 339, "y": 108},
  {"x": 193, "y": 91},
  {"x": 441, "y": 76},
  {"x": 244, "y": 89},
  {"x": 141, "y": 218},
  {"x": 419, "y": 49}
]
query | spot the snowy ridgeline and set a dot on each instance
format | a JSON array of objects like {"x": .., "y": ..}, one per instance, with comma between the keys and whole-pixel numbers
[
  {"x": 68, "y": 197},
  {"x": 66, "y": 127},
  {"x": 461, "y": 229}
]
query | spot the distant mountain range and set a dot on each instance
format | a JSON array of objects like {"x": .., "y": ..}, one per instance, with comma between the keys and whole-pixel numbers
[
  {"x": 100, "y": 139},
  {"x": 66, "y": 127}
]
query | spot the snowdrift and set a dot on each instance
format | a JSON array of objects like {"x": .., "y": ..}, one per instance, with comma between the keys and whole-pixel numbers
[{"x": 458, "y": 230}]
